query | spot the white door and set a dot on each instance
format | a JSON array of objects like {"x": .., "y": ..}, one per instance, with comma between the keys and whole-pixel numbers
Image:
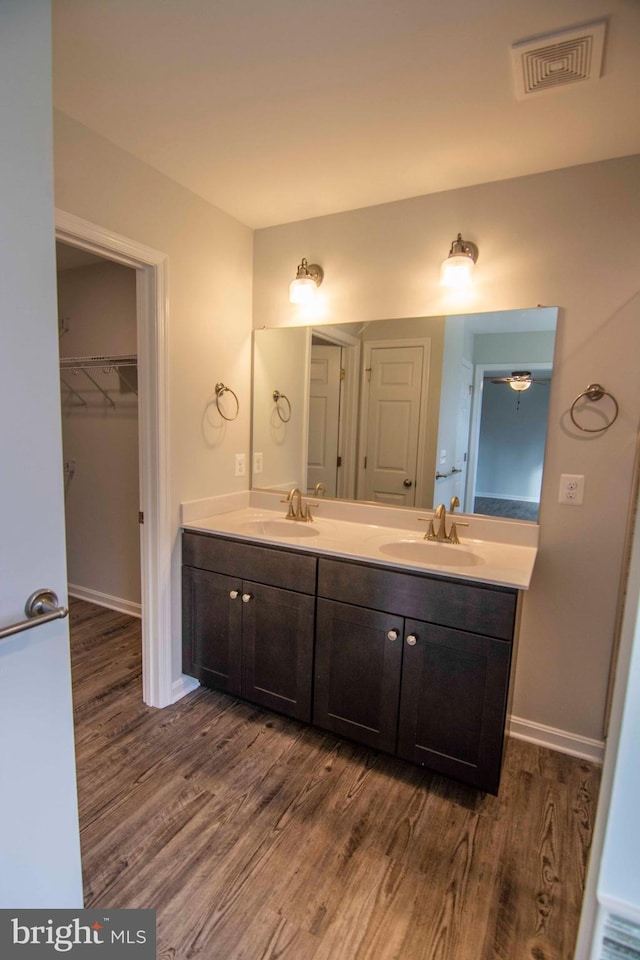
[
  {"x": 394, "y": 378},
  {"x": 39, "y": 837},
  {"x": 324, "y": 418}
]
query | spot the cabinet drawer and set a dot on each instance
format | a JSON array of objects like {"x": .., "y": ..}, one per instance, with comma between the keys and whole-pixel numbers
[
  {"x": 477, "y": 609},
  {"x": 276, "y": 568}
]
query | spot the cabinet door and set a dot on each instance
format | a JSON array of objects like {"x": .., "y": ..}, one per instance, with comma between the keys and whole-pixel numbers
[
  {"x": 453, "y": 702},
  {"x": 357, "y": 673},
  {"x": 211, "y": 629},
  {"x": 277, "y": 649}
]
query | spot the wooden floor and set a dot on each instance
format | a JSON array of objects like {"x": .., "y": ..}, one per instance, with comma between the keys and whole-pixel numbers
[{"x": 258, "y": 838}]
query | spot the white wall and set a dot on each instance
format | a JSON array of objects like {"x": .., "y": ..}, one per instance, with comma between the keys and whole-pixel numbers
[
  {"x": 210, "y": 285},
  {"x": 552, "y": 239},
  {"x": 102, "y": 497}
]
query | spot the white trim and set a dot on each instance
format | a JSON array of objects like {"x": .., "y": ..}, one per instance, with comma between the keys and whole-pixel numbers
[
  {"x": 506, "y": 496},
  {"x": 128, "y": 607},
  {"x": 554, "y": 739},
  {"x": 155, "y": 534},
  {"x": 181, "y": 687}
]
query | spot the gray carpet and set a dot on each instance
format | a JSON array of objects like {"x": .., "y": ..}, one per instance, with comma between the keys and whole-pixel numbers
[{"x": 512, "y": 509}]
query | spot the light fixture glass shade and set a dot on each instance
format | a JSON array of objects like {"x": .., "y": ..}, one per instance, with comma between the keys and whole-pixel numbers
[
  {"x": 302, "y": 290},
  {"x": 520, "y": 385},
  {"x": 457, "y": 269}
]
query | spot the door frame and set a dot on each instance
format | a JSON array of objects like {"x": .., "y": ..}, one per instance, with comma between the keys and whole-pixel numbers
[
  {"x": 151, "y": 268},
  {"x": 348, "y": 416}
]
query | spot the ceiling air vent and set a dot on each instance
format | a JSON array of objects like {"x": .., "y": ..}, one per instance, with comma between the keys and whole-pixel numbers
[{"x": 559, "y": 59}]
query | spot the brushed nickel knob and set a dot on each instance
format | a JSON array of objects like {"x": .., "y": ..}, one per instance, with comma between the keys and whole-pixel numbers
[
  {"x": 392, "y": 635},
  {"x": 246, "y": 597},
  {"x": 412, "y": 639},
  {"x": 234, "y": 594}
]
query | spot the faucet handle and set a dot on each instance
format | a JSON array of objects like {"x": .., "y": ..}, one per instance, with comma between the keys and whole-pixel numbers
[
  {"x": 307, "y": 512},
  {"x": 453, "y": 532},
  {"x": 290, "y": 512},
  {"x": 430, "y": 533}
]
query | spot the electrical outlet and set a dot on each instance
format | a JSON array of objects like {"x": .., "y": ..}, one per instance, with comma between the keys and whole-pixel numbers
[
  {"x": 241, "y": 466},
  {"x": 257, "y": 463},
  {"x": 571, "y": 489}
]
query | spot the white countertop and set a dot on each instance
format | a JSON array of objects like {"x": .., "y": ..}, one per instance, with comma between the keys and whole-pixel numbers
[{"x": 503, "y": 562}]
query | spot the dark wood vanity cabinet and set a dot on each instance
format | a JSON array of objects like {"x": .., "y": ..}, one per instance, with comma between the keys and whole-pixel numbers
[
  {"x": 428, "y": 691},
  {"x": 250, "y": 635},
  {"x": 408, "y": 663}
]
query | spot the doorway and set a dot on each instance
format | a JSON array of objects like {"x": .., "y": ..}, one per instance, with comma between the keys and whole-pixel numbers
[
  {"x": 97, "y": 330},
  {"x": 152, "y": 355},
  {"x": 507, "y": 442}
]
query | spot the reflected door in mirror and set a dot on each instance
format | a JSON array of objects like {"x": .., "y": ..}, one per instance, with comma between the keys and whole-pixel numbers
[{"x": 393, "y": 397}]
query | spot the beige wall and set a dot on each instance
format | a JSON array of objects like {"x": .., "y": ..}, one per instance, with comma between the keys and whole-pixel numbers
[
  {"x": 210, "y": 263},
  {"x": 102, "y": 500},
  {"x": 566, "y": 238},
  {"x": 281, "y": 362}
]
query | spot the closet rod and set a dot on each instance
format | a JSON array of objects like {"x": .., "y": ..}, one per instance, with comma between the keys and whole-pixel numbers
[{"x": 78, "y": 363}]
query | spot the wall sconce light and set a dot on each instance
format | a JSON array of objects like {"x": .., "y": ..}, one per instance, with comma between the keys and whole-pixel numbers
[
  {"x": 457, "y": 269},
  {"x": 303, "y": 288}
]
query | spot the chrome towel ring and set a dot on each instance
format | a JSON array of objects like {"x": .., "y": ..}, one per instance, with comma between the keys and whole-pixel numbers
[
  {"x": 277, "y": 396},
  {"x": 220, "y": 391},
  {"x": 594, "y": 392}
]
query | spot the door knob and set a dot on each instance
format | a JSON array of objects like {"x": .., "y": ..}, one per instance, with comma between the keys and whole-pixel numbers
[
  {"x": 392, "y": 635},
  {"x": 246, "y": 597},
  {"x": 407, "y": 483},
  {"x": 412, "y": 639},
  {"x": 234, "y": 594}
]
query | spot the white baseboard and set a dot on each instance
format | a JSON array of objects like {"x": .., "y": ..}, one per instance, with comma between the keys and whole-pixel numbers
[
  {"x": 554, "y": 739},
  {"x": 181, "y": 687},
  {"x": 105, "y": 600}
]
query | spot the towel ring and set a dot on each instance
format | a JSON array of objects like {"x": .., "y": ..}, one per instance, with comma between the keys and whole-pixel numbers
[
  {"x": 277, "y": 396},
  {"x": 220, "y": 390},
  {"x": 594, "y": 392}
]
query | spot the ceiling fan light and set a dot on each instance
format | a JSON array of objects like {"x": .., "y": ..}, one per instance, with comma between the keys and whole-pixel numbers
[{"x": 520, "y": 385}]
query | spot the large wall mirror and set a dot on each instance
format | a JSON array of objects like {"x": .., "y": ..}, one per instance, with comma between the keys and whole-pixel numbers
[{"x": 408, "y": 412}]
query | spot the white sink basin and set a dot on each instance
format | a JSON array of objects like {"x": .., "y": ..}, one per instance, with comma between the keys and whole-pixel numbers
[
  {"x": 426, "y": 551},
  {"x": 277, "y": 528}
]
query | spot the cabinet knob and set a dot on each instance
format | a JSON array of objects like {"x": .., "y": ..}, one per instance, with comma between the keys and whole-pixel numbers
[
  {"x": 246, "y": 597},
  {"x": 412, "y": 639},
  {"x": 392, "y": 635},
  {"x": 234, "y": 594}
]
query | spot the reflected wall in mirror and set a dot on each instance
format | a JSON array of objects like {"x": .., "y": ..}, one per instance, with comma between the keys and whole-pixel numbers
[{"x": 408, "y": 412}]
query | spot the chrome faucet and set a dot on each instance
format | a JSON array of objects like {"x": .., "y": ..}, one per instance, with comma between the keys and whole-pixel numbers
[
  {"x": 300, "y": 511},
  {"x": 440, "y": 514}
]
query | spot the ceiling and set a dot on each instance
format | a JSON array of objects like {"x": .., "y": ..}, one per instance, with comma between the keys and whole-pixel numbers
[{"x": 281, "y": 110}]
